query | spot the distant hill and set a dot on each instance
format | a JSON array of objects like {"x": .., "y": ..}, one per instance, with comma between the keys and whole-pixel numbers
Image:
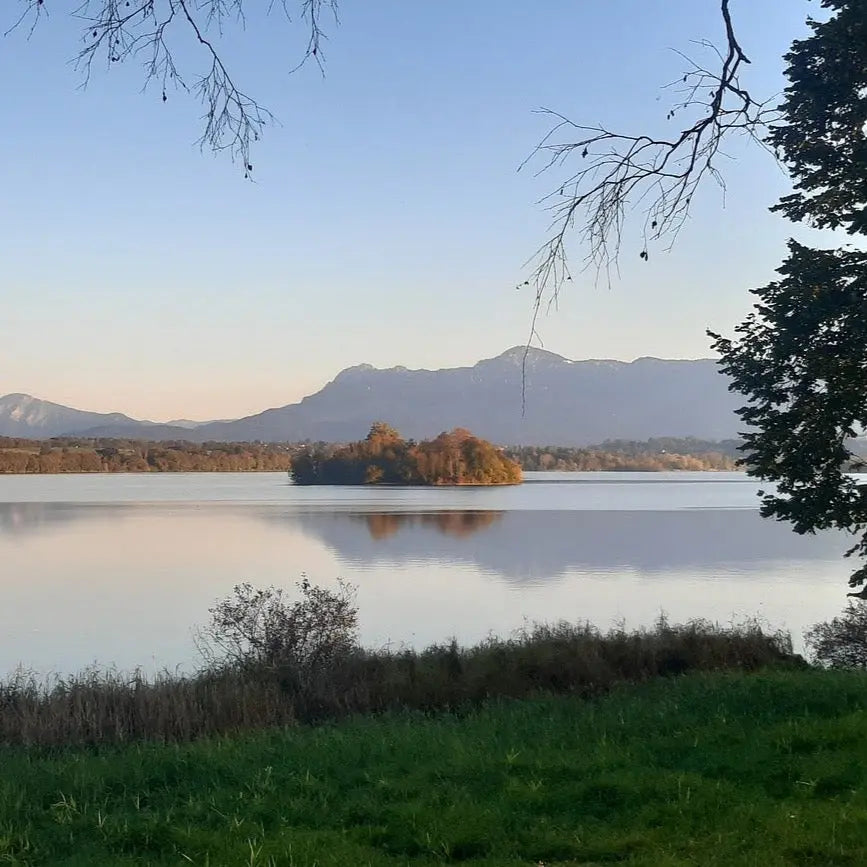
[
  {"x": 567, "y": 402},
  {"x": 570, "y": 403},
  {"x": 144, "y": 430},
  {"x": 24, "y": 416}
]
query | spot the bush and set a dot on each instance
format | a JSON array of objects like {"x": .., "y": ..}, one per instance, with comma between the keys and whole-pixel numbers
[
  {"x": 260, "y": 629},
  {"x": 842, "y": 642}
]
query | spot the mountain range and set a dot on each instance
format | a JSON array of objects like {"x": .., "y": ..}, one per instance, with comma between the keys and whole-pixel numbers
[{"x": 550, "y": 400}]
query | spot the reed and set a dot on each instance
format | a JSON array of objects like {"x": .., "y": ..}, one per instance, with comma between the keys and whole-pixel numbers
[{"x": 239, "y": 693}]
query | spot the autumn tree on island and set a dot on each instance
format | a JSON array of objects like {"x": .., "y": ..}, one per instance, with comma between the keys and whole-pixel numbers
[{"x": 383, "y": 457}]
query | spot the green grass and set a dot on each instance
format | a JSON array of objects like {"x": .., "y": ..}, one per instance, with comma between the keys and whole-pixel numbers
[{"x": 705, "y": 769}]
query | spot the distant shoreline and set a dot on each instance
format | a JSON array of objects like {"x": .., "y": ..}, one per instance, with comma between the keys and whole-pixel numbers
[
  {"x": 282, "y": 472},
  {"x": 64, "y": 456}
]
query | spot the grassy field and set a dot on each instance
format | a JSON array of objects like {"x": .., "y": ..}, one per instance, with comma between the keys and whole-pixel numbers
[{"x": 765, "y": 768}]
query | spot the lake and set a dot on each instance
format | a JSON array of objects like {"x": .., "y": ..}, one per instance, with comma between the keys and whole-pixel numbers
[{"x": 118, "y": 569}]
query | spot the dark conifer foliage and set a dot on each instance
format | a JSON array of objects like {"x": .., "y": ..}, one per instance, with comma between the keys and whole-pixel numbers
[
  {"x": 822, "y": 139},
  {"x": 800, "y": 358}
]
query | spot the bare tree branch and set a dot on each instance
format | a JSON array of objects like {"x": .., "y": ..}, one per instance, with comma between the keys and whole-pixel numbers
[
  {"x": 660, "y": 175},
  {"x": 115, "y": 31}
]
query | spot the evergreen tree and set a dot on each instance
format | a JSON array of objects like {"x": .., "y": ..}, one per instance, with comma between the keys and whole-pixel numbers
[{"x": 800, "y": 358}]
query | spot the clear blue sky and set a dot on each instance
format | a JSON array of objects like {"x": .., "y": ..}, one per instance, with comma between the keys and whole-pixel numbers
[{"x": 387, "y": 224}]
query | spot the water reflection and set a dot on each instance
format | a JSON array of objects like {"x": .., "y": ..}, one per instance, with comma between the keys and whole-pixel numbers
[
  {"x": 520, "y": 546},
  {"x": 21, "y": 518},
  {"x": 537, "y": 546},
  {"x": 123, "y": 582},
  {"x": 381, "y": 525}
]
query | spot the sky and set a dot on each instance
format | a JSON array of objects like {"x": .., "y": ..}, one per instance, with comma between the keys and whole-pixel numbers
[{"x": 387, "y": 222}]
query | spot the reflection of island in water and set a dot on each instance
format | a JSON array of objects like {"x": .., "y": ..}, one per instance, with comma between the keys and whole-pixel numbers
[
  {"x": 521, "y": 546},
  {"x": 381, "y": 525},
  {"x": 536, "y": 545}
]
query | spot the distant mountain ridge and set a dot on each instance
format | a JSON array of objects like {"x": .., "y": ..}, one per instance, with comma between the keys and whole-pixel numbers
[
  {"x": 24, "y": 416},
  {"x": 570, "y": 403}
]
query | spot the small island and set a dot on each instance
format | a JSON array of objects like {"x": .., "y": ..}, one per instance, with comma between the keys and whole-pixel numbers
[{"x": 385, "y": 458}]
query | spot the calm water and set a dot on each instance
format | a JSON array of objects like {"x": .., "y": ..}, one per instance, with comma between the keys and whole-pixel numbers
[{"x": 117, "y": 569}]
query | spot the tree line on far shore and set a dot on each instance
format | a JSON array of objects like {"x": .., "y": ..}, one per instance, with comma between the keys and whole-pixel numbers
[
  {"x": 88, "y": 455},
  {"x": 661, "y": 454},
  {"x": 127, "y": 456}
]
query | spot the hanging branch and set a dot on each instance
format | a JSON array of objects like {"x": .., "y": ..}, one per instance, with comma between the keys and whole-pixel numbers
[
  {"x": 115, "y": 31},
  {"x": 621, "y": 172}
]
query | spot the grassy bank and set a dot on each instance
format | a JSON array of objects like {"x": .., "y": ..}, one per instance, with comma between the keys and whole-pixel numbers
[{"x": 715, "y": 769}]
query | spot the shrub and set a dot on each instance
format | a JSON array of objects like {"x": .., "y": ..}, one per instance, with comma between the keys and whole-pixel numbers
[
  {"x": 842, "y": 642},
  {"x": 258, "y": 628}
]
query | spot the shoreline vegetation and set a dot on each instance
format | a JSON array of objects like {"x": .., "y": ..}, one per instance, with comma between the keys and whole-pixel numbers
[
  {"x": 268, "y": 662},
  {"x": 62, "y": 455},
  {"x": 678, "y": 744}
]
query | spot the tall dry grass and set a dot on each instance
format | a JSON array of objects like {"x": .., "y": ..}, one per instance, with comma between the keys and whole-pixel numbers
[{"x": 237, "y": 694}]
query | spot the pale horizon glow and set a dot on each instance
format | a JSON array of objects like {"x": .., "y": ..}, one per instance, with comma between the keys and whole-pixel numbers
[{"x": 387, "y": 224}]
